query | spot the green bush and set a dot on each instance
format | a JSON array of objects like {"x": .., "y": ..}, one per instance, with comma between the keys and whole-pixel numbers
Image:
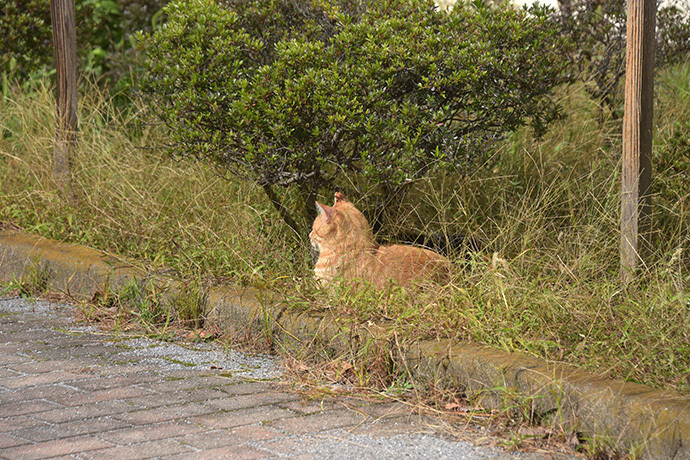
[
  {"x": 25, "y": 37},
  {"x": 293, "y": 93}
]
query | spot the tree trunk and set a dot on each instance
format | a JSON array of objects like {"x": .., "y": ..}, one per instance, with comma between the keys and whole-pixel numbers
[
  {"x": 309, "y": 195},
  {"x": 284, "y": 212},
  {"x": 63, "y": 20}
]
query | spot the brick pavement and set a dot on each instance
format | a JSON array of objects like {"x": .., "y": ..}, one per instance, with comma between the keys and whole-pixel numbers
[{"x": 67, "y": 394}]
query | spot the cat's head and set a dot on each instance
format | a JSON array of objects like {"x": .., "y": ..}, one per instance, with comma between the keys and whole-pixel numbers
[{"x": 342, "y": 220}]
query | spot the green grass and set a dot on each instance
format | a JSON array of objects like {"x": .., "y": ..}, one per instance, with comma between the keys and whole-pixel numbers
[
  {"x": 547, "y": 210},
  {"x": 132, "y": 200}
]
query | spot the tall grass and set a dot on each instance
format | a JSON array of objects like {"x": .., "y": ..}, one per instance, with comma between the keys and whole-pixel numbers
[
  {"x": 550, "y": 209},
  {"x": 132, "y": 199},
  {"x": 547, "y": 211}
]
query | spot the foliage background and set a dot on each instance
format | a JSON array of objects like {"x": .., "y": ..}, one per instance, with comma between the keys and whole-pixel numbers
[
  {"x": 104, "y": 39},
  {"x": 547, "y": 207}
]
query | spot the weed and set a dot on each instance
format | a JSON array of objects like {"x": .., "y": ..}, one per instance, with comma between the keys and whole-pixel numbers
[
  {"x": 34, "y": 281},
  {"x": 8, "y": 287},
  {"x": 547, "y": 208},
  {"x": 134, "y": 306},
  {"x": 602, "y": 448},
  {"x": 88, "y": 310},
  {"x": 189, "y": 304}
]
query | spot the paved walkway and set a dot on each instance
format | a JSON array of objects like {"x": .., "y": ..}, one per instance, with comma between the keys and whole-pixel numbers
[{"x": 68, "y": 391}]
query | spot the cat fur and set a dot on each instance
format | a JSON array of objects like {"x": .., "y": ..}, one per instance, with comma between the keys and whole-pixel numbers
[{"x": 348, "y": 251}]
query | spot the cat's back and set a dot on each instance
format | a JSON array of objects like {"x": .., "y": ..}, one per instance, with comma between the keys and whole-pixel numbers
[{"x": 407, "y": 264}]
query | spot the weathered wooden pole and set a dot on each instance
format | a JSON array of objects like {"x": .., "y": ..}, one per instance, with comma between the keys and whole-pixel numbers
[
  {"x": 63, "y": 18},
  {"x": 637, "y": 135}
]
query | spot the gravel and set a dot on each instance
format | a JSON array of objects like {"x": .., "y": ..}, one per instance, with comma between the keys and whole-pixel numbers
[
  {"x": 202, "y": 356},
  {"x": 345, "y": 446},
  {"x": 168, "y": 356}
]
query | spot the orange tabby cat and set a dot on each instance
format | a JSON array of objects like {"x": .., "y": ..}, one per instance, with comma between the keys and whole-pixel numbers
[{"x": 347, "y": 249}]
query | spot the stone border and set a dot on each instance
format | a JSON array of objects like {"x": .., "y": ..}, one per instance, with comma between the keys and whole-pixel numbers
[{"x": 653, "y": 422}]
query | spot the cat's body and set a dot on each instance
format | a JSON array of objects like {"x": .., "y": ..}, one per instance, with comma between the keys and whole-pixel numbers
[{"x": 348, "y": 250}]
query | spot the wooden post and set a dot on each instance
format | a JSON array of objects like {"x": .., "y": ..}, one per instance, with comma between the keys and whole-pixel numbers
[
  {"x": 63, "y": 18},
  {"x": 637, "y": 134}
]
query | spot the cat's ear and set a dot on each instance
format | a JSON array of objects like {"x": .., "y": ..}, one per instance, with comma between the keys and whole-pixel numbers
[
  {"x": 340, "y": 197},
  {"x": 327, "y": 211}
]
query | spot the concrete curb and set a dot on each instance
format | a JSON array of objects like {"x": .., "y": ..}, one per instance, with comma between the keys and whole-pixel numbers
[{"x": 619, "y": 414}]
